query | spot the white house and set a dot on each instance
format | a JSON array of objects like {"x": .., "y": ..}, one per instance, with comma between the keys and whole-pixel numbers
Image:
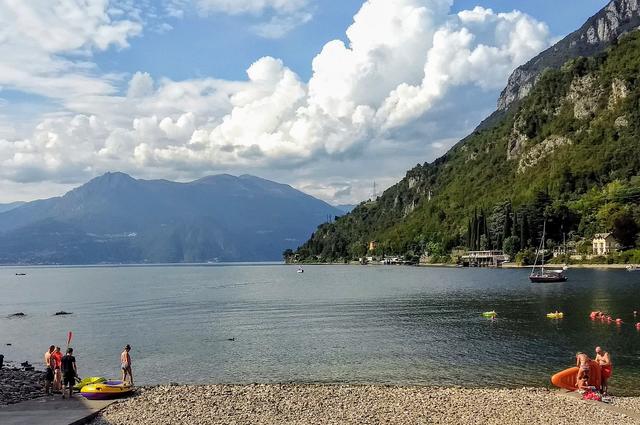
[{"x": 604, "y": 243}]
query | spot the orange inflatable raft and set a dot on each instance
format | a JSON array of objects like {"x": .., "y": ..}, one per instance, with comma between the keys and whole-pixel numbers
[{"x": 568, "y": 377}]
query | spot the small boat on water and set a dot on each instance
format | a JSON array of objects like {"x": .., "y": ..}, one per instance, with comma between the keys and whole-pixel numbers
[
  {"x": 300, "y": 270},
  {"x": 542, "y": 275},
  {"x": 21, "y": 274},
  {"x": 633, "y": 268}
]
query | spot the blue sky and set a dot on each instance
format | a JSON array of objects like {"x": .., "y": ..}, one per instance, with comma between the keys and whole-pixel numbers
[
  {"x": 183, "y": 88},
  {"x": 196, "y": 42}
]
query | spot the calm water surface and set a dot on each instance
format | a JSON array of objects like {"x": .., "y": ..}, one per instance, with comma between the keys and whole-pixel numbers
[{"x": 391, "y": 325}]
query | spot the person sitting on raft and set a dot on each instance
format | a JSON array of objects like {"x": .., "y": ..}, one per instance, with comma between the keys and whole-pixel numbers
[
  {"x": 604, "y": 360},
  {"x": 582, "y": 362}
]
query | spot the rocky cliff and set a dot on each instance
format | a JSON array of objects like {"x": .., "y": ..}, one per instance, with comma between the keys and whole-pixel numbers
[{"x": 598, "y": 33}]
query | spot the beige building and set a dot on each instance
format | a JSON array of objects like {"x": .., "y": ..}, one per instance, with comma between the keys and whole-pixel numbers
[
  {"x": 604, "y": 243},
  {"x": 373, "y": 245}
]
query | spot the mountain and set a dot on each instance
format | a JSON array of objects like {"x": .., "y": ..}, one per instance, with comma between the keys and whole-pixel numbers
[
  {"x": 118, "y": 219},
  {"x": 595, "y": 36},
  {"x": 346, "y": 208},
  {"x": 10, "y": 206},
  {"x": 567, "y": 152}
]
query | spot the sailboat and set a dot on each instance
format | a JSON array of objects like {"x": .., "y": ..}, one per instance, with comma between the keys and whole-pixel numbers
[{"x": 542, "y": 275}]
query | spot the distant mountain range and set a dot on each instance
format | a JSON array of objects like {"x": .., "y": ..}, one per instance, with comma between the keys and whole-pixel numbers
[
  {"x": 118, "y": 219},
  {"x": 10, "y": 206}
]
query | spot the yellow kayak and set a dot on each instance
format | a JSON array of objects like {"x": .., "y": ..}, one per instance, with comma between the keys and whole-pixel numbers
[
  {"x": 491, "y": 314},
  {"x": 555, "y": 315},
  {"x": 106, "y": 390}
]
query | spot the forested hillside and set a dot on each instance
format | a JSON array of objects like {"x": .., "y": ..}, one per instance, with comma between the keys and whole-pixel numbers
[{"x": 568, "y": 153}]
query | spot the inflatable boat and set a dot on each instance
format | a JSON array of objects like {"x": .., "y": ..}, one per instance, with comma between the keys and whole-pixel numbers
[
  {"x": 106, "y": 390},
  {"x": 567, "y": 379},
  {"x": 490, "y": 314},
  {"x": 87, "y": 381}
]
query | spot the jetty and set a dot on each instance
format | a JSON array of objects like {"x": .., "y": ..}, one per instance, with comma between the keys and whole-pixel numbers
[{"x": 484, "y": 259}]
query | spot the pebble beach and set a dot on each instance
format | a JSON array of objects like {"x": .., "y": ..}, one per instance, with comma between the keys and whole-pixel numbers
[
  {"x": 18, "y": 385},
  {"x": 349, "y": 404}
]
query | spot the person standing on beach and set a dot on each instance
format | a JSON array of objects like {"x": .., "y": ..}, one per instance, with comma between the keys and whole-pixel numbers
[
  {"x": 582, "y": 362},
  {"x": 57, "y": 373},
  {"x": 69, "y": 372},
  {"x": 49, "y": 364},
  {"x": 125, "y": 365},
  {"x": 604, "y": 360}
]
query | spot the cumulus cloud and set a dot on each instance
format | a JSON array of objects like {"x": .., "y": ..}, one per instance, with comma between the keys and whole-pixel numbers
[
  {"x": 406, "y": 68},
  {"x": 39, "y": 37}
]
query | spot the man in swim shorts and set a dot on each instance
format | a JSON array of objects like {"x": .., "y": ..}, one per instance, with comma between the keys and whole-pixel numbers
[
  {"x": 49, "y": 364},
  {"x": 125, "y": 365},
  {"x": 582, "y": 362},
  {"x": 69, "y": 372},
  {"x": 604, "y": 360}
]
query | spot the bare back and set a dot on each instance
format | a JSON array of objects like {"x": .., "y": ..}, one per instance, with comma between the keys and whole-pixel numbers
[{"x": 603, "y": 359}]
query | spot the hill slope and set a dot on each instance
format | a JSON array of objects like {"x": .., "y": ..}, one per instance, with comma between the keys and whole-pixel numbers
[
  {"x": 595, "y": 36},
  {"x": 568, "y": 151},
  {"x": 115, "y": 218}
]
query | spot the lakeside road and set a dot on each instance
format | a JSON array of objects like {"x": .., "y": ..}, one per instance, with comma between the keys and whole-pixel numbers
[{"x": 354, "y": 404}]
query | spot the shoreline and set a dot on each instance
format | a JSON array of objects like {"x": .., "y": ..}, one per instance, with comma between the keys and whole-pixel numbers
[
  {"x": 361, "y": 404},
  {"x": 455, "y": 266}
]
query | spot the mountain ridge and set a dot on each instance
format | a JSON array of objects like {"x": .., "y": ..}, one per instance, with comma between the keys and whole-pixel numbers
[
  {"x": 116, "y": 218},
  {"x": 567, "y": 153},
  {"x": 598, "y": 32}
]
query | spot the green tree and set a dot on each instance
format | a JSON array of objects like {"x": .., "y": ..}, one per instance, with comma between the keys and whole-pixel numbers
[{"x": 511, "y": 246}]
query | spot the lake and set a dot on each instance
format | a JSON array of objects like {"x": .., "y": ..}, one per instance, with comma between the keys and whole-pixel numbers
[{"x": 332, "y": 324}]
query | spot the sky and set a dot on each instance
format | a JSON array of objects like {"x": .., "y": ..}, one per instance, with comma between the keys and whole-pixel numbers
[{"x": 325, "y": 95}]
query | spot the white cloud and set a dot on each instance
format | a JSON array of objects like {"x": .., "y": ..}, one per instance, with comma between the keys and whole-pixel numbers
[
  {"x": 45, "y": 44},
  {"x": 282, "y": 16},
  {"x": 409, "y": 81},
  {"x": 278, "y": 26},
  {"x": 252, "y": 6}
]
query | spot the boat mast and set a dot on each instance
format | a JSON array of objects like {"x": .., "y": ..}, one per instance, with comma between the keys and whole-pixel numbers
[{"x": 544, "y": 228}]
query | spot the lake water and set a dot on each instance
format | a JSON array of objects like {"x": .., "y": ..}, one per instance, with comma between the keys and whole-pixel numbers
[{"x": 338, "y": 324}]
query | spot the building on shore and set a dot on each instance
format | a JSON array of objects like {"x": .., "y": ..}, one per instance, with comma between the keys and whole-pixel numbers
[
  {"x": 484, "y": 259},
  {"x": 604, "y": 244}
]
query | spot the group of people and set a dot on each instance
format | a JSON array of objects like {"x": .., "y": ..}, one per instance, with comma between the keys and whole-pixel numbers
[
  {"x": 61, "y": 371},
  {"x": 583, "y": 361}
]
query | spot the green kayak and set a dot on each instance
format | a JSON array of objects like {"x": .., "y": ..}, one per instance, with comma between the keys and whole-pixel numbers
[{"x": 88, "y": 381}]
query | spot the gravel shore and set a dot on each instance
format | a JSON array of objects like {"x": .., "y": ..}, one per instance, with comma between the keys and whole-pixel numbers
[
  {"x": 345, "y": 404},
  {"x": 18, "y": 385}
]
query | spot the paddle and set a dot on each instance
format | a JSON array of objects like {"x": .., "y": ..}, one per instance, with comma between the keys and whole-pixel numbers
[{"x": 69, "y": 339}]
